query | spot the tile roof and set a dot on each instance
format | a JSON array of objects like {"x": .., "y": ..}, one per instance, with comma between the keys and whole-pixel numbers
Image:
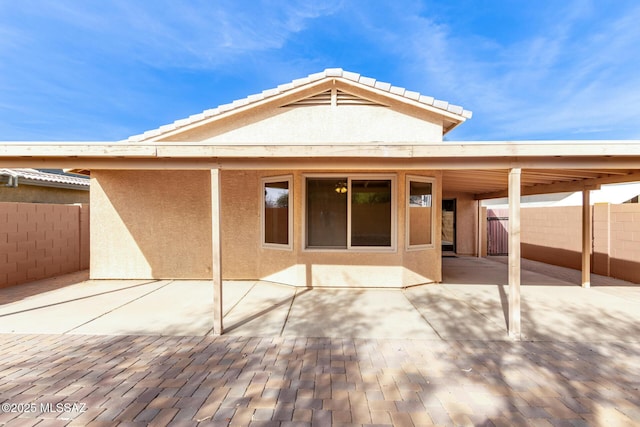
[
  {"x": 45, "y": 177},
  {"x": 328, "y": 73}
]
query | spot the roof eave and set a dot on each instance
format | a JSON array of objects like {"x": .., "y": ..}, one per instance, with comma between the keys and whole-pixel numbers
[
  {"x": 298, "y": 89},
  {"x": 226, "y": 111}
]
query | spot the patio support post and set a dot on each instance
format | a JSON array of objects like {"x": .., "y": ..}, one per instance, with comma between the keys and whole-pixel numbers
[
  {"x": 514, "y": 253},
  {"x": 216, "y": 252},
  {"x": 479, "y": 230},
  {"x": 586, "y": 239}
]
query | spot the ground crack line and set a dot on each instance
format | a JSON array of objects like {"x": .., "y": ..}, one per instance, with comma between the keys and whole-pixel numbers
[{"x": 120, "y": 306}]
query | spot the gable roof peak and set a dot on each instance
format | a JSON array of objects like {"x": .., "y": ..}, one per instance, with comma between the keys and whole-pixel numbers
[{"x": 328, "y": 73}]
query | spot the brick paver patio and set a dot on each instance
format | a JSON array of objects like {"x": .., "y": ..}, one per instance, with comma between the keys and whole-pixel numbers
[
  {"x": 579, "y": 368},
  {"x": 135, "y": 380}
]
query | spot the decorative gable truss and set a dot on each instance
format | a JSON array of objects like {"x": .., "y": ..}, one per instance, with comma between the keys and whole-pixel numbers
[{"x": 334, "y": 98}]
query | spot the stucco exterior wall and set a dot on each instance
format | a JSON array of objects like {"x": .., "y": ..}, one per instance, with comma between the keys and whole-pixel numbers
[
  {"x": 466, "y": 222},
  {"x": 157, "y": 224},
  {"x": 240, "y": 224},
  {"x": 150, "y": 224}
]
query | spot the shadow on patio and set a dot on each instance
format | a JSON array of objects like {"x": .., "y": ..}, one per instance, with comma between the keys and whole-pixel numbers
[{"x": 471, "y": 304}]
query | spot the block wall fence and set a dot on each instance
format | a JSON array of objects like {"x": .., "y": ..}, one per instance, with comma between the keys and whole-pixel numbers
[
  {"x": 39, "y": 240},
  {"x": 554, "y": 235}
]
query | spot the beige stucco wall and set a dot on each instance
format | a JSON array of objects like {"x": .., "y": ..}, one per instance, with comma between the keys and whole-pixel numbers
[
  {"x": 466, "y": 222},
  {"x": 150, "y": 224},
  {"x": 320, "y": 125},
  {"x": 157, "y": 224},
  {"x": 240, "y": 231}
]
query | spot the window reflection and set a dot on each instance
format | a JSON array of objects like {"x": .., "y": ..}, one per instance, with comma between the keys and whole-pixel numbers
[
  {"x": 276, "y": 212},
  {"x": 420, "y": 213}
]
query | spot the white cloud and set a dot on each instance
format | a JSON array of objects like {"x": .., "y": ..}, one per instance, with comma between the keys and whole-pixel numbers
[
  {"x": 64, "y": 64},
  {"x": 201, "y": 34},
  {"x": 587, "y": 86},
  {"x": 577, "y": 73}
]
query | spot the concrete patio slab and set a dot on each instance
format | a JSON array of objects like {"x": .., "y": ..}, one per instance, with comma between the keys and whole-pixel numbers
[
  {"x": 576, "y": 314},
  {"x": 163, "y": 311},
  {"x": 233, "y": 294},
  {"x": 65, "y": 309},
  {"x": 554, "y": 306},
  {"x": 262, "y": 311},
  {"x": 356, "y": 313},
  {"x": 471, "y": 304},
  {"x": 477, "y": 316}
]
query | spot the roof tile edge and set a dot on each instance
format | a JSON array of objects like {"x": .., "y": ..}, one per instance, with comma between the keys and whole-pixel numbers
[
  {"x": 37, "y": 175},
  {"x": 327, "y": 73}
]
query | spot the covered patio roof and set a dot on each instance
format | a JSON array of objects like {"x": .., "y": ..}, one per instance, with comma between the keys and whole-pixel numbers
[{"x": 477, "y": 167}]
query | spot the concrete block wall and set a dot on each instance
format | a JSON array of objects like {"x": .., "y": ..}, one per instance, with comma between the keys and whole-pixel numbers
[
  {"x": 601, "y": 239},
  {"x": 38, "y": 241},
  {"x": 554, "y": 235},
  {"x": 85, "y": 246},
  {"x": 624, "y": 232}
]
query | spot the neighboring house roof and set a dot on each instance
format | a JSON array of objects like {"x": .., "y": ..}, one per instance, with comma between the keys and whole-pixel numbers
[
  {"x": 455, "y": 112},
  {"x": 16, "y": 177}
]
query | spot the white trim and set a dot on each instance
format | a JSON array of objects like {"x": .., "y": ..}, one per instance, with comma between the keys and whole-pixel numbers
[
  {"x": 434, "y": 201},
  {"x": 266, "y": 180},
  {"x": 350, "y": 177}
]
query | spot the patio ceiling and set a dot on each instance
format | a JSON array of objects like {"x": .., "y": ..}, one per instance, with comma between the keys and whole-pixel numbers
[{"x": 487, "y": 184}]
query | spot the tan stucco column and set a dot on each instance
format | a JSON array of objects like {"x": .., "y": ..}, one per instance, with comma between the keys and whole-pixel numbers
[
  {"x": 216, "y": 252},
  {"x": 586, "y": 239},
  {"x": 514, "y": 253}
]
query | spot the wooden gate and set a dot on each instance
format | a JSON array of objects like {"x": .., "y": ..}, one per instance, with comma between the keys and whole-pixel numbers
[{"x": 497, "y": 235}]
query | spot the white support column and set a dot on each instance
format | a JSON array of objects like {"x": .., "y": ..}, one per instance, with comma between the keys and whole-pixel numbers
[
  {"x": 586, "y": 239},
  {"x": 216, "y": 252},
  {"x": 514, "y": 253},
  {"x": 479, "y": 230}
]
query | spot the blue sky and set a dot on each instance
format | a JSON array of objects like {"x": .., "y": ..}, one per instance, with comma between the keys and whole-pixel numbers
[{"x": 107, "y": 69}]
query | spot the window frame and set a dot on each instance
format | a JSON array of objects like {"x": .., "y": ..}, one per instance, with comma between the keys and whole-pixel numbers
[
  {"x": 422, "y": 179},
  {"x": 349, "y": 178},
  {"x": 263, "y": 232}
]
